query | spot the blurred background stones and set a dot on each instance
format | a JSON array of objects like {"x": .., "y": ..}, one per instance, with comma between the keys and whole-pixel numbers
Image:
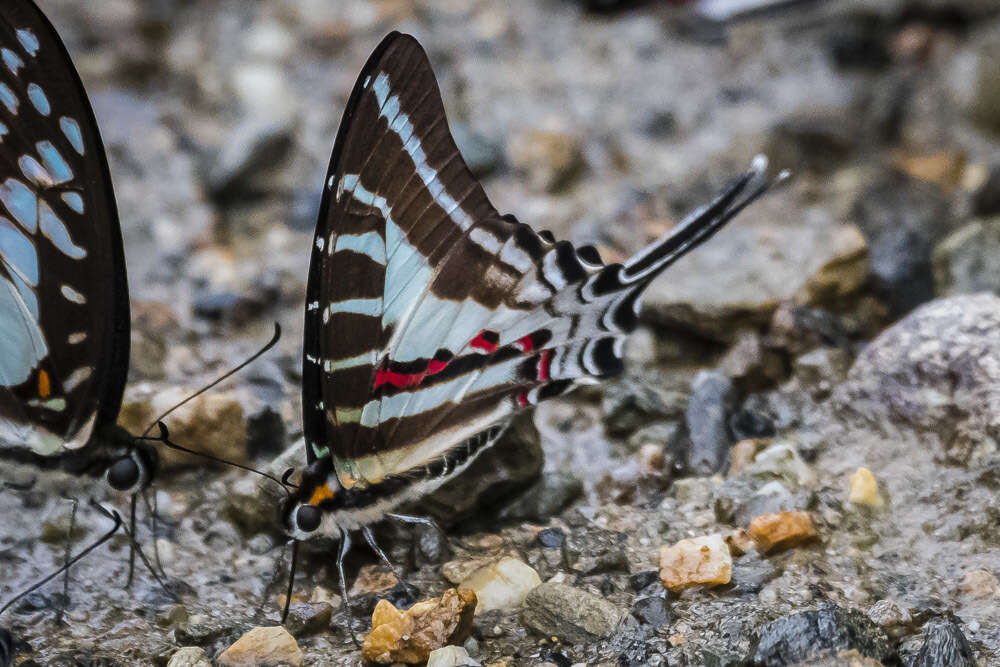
[{"x": 847, "y": 322}]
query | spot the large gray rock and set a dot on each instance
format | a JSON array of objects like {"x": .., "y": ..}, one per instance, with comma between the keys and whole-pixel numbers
[
  {"x": 935, "y": 373},
  {"x": 806, "y": 635},
  {"x": 572, "y": 615},
  {"x": 944, "y": 646}
]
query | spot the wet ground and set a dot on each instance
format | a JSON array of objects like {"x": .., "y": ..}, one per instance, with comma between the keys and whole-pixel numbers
[{"x": 219, "y": 118}]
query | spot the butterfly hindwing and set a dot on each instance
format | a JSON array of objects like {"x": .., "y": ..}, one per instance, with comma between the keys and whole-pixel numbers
[{"x": 63, "y": 293}]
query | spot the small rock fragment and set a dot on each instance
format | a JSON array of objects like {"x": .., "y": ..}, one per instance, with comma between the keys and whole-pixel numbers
[
  {"x": 980, "y": 584},
  {"x": 451, "y": 656},
  {"x": 743, "y": 453},
  {"x": 713, "y": 400},
  {"x": 693, "y": 561},
  {"x": 306, "y": 618},
  {"x": 864, "y": 489},
  {"x": 502, "y": 585},
  {"x": 653, "y": 611},
  {"x": 572, "y": 615},
  {"x": 782, "y": 461},
  {"x": 944, "y": 646},
  {"x": 265, "y": 647},
  {"x": 781, "y": 530},
  {"x": 409, "y": 636},
  {"x": 891, "y": 617},
  {"x": 189, "y": 656}
]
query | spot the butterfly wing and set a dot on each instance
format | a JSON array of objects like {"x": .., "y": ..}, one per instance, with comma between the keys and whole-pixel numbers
[
  {"x": 64, "y": 317},
  {"x": 431, "y": 318}
]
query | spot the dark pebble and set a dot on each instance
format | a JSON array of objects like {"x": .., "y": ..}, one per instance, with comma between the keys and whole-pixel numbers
[
  {"x": 712, "y": 401},
  {"x": 944, "y": 646},
  {"x": 747, "y": 424},
  {"x": 858, "y": 45},
  {"x": 203, "y": 634},
  {"x": 653, "y": 611},
  {"x": 551, "y": 538},
  {"x": 641, "y": 580},
  {"x": 986, "y": 198},
  {"x": 801, "y": 636},
  {"x": 265, "y": 434},
  {"x": 595, "y": 551},
  {"x": 308, "y": 618}
]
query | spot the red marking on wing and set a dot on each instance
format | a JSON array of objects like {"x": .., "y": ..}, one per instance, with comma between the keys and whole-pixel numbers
[
  {"x": 385, "y": 376},
  {"x": 527, "y": 345},
  {"x": 522, "y": 398},
  {"x": 543, "y": 365},
  {"x": 480, "y": 343}
]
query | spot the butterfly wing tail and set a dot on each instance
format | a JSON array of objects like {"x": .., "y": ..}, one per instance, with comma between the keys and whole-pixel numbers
[{"x": 700, "y": 225}]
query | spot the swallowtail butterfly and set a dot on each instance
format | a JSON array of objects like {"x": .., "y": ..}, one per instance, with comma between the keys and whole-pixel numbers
[
  {"x": 430, "y": 318},
  {"x": 64, "y": 310}
]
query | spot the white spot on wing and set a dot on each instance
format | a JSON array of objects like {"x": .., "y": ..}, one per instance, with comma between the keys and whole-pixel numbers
[{"x": 72, "y": 295}]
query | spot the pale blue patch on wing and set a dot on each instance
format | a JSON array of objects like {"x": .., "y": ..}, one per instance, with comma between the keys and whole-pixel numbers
[
  {"x": 359, "y": 306},
  {"x": 18, "y": 252},
  {"x": 34, "y": 171},
  {"x": 54, "y": 230},
  {"x": 8, "y": 98},
  {"x": 72, "y": 131},
  {"x": 368, "y": 243},
  {"x": 21, "y": 340},
  {"x": 28, "y": 41},
  {"x": 12, "y": 60},
  {"x": 21, "y": 202},
  {"x": 27, "y": 295},
  {"x": 4, "y": 131},
  {"x": 54, "y": 162},
  {"x": 73, "y": 200},
  {"x": 38, "y": 98}
]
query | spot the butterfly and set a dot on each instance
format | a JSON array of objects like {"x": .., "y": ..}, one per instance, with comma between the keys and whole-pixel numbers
[
  {"x": 64, "y": 308},
  {"x": 431, "y": 319}
]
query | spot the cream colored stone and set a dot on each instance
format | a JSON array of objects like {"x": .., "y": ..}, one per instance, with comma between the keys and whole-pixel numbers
[
  {"x": 980, "y": 584},
  {"x": 450, "y": 656},
  {"x": 782, "y": 530},
  {"x": 502, "y": 585},
  {"x": 263, "y": 647},
  {"x": 694, "y": 561},
  {"x": 864, "y": 489}
]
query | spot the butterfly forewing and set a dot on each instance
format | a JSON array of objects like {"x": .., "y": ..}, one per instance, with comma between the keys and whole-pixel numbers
[
  {"x": 63, "y": 295},
  {"x": 429, "y": 316}
]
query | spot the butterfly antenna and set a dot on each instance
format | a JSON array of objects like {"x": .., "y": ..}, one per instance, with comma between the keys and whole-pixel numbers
[
  {"x": 291, "y": 581},
  {"x": 72, "y": 561},
  {"x": 164, "y": 439},
  {"x": 271, "y": 343}
]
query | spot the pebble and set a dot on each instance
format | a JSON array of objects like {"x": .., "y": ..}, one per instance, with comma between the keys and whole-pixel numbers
[
  {"x": 502, "y": 585},
  {"x": 653, "y": 611},
  {"x": 408, "y": 636},
  {"x": 743, "y": 453},
  {"x": 713, "y": 400},
  {"x": 944, "y": 646},
  {"x": 265, "y": 647},
  {"x": 189, "y": 656},
  {"x": 592, "y": 550},
  {"x": 544, "y": 499},
  {"x": 804, "y": 635},
  {"x": 782, "y": 461},
  {"x": 451, "y": 656},
  {"x": 305, "y": 618},
  {"x": 892, "y": 617},
  {"x": 864, "y": 489},
  {"x": 782, "y": 530},
  {"x": 694, "y": 561},
  {"x": 550, "y": 538},
  {"x": 980, "y": 584},
  {"x": 572, "y": 615},
  {"x": 253, "y": 148}
]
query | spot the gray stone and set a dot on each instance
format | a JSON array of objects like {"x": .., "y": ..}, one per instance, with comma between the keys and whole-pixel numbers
[
  {"x": 189, "y": 656},
  {"x": 572, "y": 615},
  {"x": 968, "y": 259},
  {"x": 306, "y": 618},
  {"x": 545, "y": 499},
  {"x": 653, "y": 610},
  {"x": 713, "y": 400},
  {"x": 935, "y": 373},
  {"x": 637, "y": 400},
  {"x": 801, "y": 636},
  {"x": 251, "y": 151},
  {"x": 595, "y": 551},
  {"x": 944, "y": 646},
  {"x": 902, "y": 219}
]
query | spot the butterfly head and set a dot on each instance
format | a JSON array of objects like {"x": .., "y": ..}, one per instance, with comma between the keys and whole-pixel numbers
[
  {"x": 318, "y": 506},
  {"x": 133, "y": 462}
]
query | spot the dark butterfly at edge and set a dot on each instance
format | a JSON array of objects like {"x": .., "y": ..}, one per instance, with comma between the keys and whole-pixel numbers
[{"x": 431, "y": 319}]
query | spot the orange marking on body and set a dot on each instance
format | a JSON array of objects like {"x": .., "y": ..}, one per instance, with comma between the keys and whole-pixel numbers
[
  {"x": 44, "y": 386},
  {"x": 320, "y": 494}
]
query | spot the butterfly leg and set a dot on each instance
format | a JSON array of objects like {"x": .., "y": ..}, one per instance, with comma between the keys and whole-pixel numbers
[
  {"x": 131, "y": 548},
  {"x": 66, "y": 557},
  {"x": 153, "y": 510},
  {"x": 370, "y": 539},
  {"x": 345, "y": 546},
  {"x": 421, "y": 521}
]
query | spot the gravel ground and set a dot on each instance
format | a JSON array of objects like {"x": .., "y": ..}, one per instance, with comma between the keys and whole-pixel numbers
[{"x": 846, "y": 321}]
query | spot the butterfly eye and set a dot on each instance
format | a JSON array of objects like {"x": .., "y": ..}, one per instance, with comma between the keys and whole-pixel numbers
[
  {"x": 123, "y": 474},
  {"x": 307, "y": 518}
]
